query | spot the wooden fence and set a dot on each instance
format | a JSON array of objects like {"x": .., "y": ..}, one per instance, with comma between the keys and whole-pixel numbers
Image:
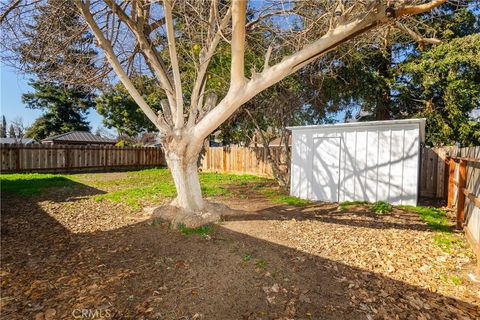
[
  {"x": 464, "y": 193},
  {"x": 242, "y": 160},
  {"x": 52, "y": 158},
  {"x": 434, "y": 172}
]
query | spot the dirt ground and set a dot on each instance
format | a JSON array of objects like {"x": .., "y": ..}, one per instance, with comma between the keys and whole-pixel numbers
[{"x": 66, "y": 256}]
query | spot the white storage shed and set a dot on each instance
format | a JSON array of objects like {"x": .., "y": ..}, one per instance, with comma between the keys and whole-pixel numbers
[{"x": 359, "y": 161}]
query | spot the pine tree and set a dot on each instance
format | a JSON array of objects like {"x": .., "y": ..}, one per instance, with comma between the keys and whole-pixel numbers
[
  {"x": 66, "y": 109},
  {"x": 59, "y": 53},
  {"x": 3, "y": 128}
]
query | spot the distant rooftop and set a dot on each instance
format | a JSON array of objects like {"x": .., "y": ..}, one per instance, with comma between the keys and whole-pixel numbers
[
  {"x": 77, "y": 137},
  {"x": 17, "y": 140}
]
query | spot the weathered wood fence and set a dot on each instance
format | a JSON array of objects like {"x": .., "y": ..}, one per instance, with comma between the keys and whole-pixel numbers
[
  {"x": 464, "y": 192},
  {"x": 52, "y": 158},
  {"x": 434, "y": 172},
  {"x": 243, "y": 160}
]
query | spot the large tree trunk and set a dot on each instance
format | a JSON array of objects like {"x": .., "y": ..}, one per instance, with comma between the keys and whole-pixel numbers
[
  {"x": 188, "y": 209},
  {"x": 184, "y": 168}
]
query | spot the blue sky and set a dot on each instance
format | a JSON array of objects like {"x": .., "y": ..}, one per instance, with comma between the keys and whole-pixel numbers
[{"x": 13, "y": 85}]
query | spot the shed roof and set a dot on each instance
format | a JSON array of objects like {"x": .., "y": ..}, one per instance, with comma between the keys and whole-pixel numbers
[
  {"x": 79, "y": 136},
  {"x": 366, "y": 124}
]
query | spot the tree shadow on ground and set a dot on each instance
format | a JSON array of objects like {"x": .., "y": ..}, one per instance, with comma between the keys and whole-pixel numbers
[
  {"x": 148, "y": 271},
  {"x": 358, "y": 216}
]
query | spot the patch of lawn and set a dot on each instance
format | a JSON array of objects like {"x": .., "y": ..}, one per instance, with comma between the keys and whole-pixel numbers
[
  {"x": 346, "y": 204},
  {"x": 202, "y": 230},
  {"x": 435, "y": 218},
  {"x": 277, "y": 196},
  {"x": 211, "y": 191},
  {"x": 129, "y": 187},
  {"x": 446, "y": 241},
  {"x": 291, "y": 200},
  {"x": 438, "y": 221},
  {"x": 133, "y": 196},
  {"x": 213, "y": 178},
  {"x": 154, "y": 184},
  {"x": 32, "y": 183}
]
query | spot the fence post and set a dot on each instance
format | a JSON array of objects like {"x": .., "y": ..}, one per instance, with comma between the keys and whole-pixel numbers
[
  {"x": 445, "y": 177},
  {"x": 461, "y": 194},
  {"x": 224, "y": 159},
  {"x": 451, "y": 177}
]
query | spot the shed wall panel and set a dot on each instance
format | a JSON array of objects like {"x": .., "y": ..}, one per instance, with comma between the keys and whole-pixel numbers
[
  {"x": 372, "y": 165},
  {"x": 377, "y": 163}
]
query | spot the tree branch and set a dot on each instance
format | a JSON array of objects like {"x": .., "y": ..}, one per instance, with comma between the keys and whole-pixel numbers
[
  {"x": 204, "y": 63},
  {"x": 415, "y": 36},
  {"x": 267, "y": 58},
  {"x": 239, "y": 8},
  {"x": 9, "y": 9},
  {"x": 149, "y": 51},
  {"x": 417, "y": 9},
  {"x": 178, "y": 116},
  {"x": 113, "y": 60},
  {"x": 266, "y": 15},
  {"x": 235, "y": 98}
]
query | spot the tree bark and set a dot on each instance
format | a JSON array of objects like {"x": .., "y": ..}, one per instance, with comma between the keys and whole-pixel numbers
[{"x": 184, "y": 168}]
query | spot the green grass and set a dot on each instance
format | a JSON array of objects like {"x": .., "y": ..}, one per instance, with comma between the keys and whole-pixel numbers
[
  {"x": 32, "y": 183},
  {"x": 438, "y": 221},
  {"x": 247, "y": 257},
  {"x": 203, "y": 230},
  {"x": 381, "y": 207},
  {"x": 456, "y": 280},
  {"x": 154, "y": 184},
  {"x": 277, "y": 196},
  {"x": 446, "y": 278},
  {"x": 131, "y": 188},
  {"x": 347, "y": 204},
  {"x": 434, "y": 217},
  {"x": 261, "y": 263}
]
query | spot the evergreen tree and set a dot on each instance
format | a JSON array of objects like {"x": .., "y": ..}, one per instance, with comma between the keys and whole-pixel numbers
[
  {"x": 3, "y": 128},
  {"x": 58, "y": 47},
  {"x": 65, "y": 109},
  {"x": 59, "y": 52},
  {"x": 442, "y": 85},
  {"x": 394, "y": 82}
]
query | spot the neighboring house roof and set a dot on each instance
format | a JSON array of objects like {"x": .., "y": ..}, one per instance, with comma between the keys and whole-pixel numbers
[
  {"x": 79, "y": 137},
  {"x": 17, "y": 141}
]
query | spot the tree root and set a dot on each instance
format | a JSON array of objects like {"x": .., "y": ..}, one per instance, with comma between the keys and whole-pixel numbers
[{"x": 212, "y": 213}]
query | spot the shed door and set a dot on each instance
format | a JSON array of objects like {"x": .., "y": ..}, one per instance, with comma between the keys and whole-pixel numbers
[{"x": 325, "y": 169}]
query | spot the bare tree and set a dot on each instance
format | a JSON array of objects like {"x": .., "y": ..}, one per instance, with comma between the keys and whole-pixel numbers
[
  {"x": 153, "y": 37},
  {"x": 18, "y": 127}
]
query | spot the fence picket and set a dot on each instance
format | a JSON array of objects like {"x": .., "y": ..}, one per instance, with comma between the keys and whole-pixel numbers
[{"x": 41, "y": 158}]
